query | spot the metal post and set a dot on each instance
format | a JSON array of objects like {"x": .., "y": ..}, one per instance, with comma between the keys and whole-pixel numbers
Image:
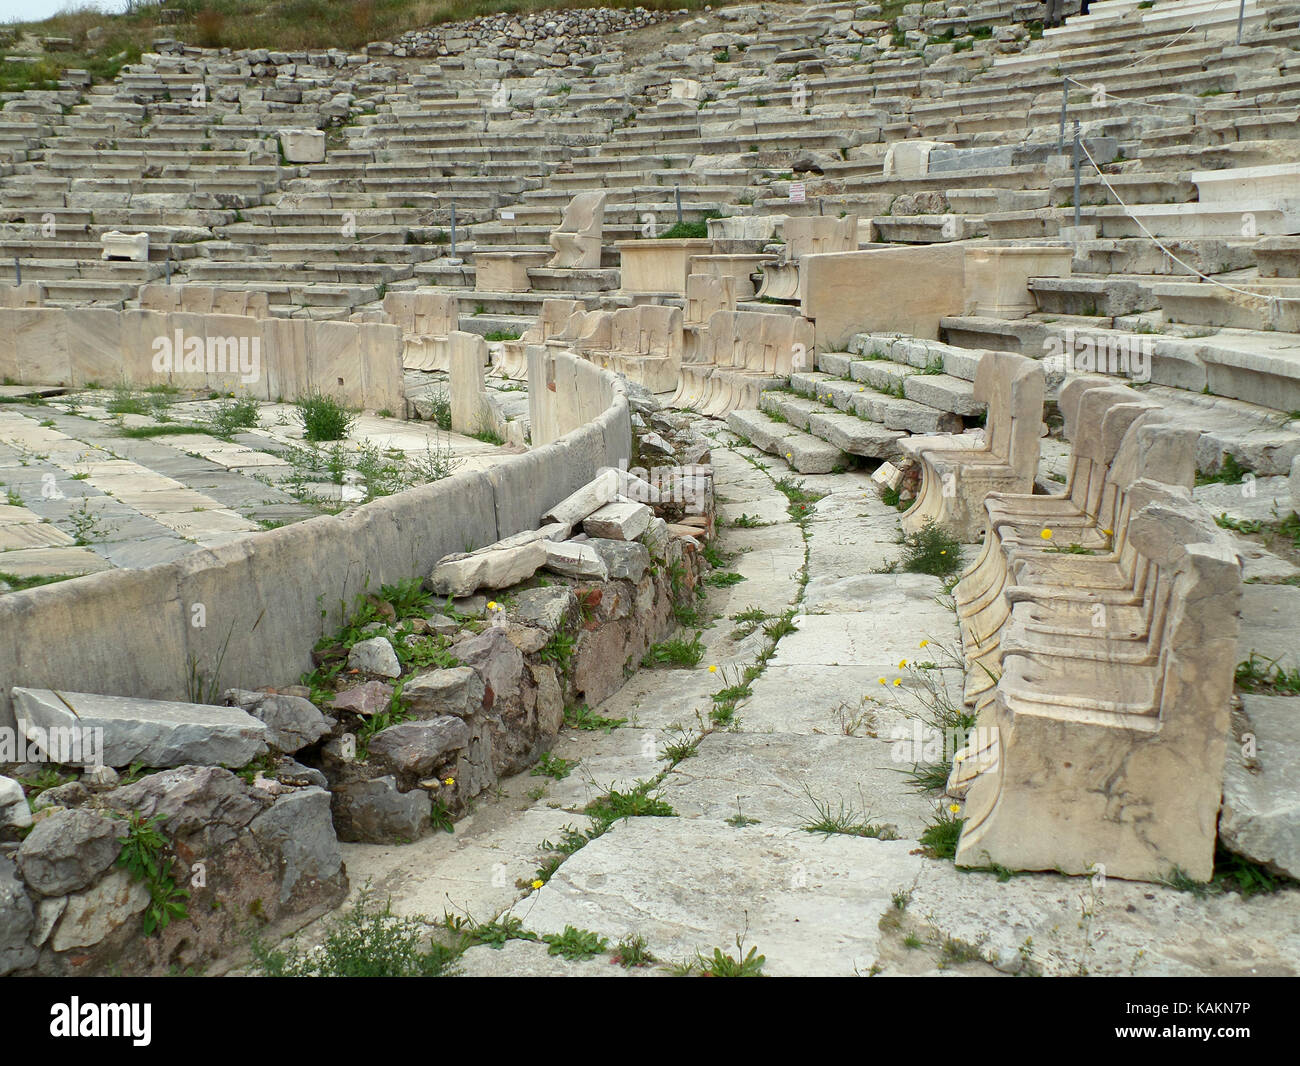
[
  {"x": 1065, "y": 103},
  {"x": 453, "y": 229},
  {"x": 18, "y": 271},
  {"x": 168, "y": 264},
  {"x": 1241, "y": 18},
  {"x": 1076, "y": 173},
  {"x": 677, "y": 195}
]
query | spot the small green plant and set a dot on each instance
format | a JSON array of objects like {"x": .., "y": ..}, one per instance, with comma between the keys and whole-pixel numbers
[
  {"x": 551, "y": 765},
  {"x": 724, "y": 579},
  {"x": 929, "y": 550},
  {"x": 748, "y": 521},
  {"x": 844, "y": 820},
  {"x": 632, "y": 951},
  {"x": 575, "y": 944},
  {"x": 721, "y": 964},
  {"x": 143, "y": 856},
  {"x": 323, "y": 418},
  {"x": 678, "y": 652},
  {"x": 227, "y": 418},
  {"x": 1230, "y": 472},
  {"x": 940, "y": 837},
  {"x": 1261, "y": 674},
  {"x": 585, "y": 718}
]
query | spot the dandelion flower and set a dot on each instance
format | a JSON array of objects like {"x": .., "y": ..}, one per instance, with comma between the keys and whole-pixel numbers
[
  {"x": 449, "y": 782},
  {"x": 902, "y": 664},
  {"x": 883, "y": 681},
  {"x": 954, "y": 807},
  {"x": 923, "y": 643},
  {"x": 897, "y": 681},
  {"x": 713, "y": 669},
  {"x": 1046, "y": 534},
  {"x": 538, "y": 884}
]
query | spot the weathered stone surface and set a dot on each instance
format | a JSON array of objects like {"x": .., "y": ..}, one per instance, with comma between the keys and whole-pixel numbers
[
  {"x": 528, "y": 639},
  {"x": 576, "y": 560},
  {"x": 365, "y": 700},
  {"x": 374, "y": 656},
  {"x": 618, "y": 521},
  {"x": 376, "y": 812},
  {"x": 17, "y": 919},
  {"x": 149, "y": 732},
  {"x": 299, "y": 830},
  {"x": 497, "y": 661},
  {"x": 205, "y": 802},
  {"x": 14, "y": 810},
  {"x": 457, "y": 691},
  {"x": 494, "y": 569},
  {"x": 546, "y": 608},
  {"x": 1261, "y": 793},
  {"x": 68, "y": 850},
  {"x": 550, "y": 699},
  {"x": 627, "y": 560},
  {"x": 417, "y": 747},
  {"x": 91, "y": 915},
  {"x": 292, "y": 723}
]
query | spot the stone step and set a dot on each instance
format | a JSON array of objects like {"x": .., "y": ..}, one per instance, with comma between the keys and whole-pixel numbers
[
  {"x": 848, "y": 433},
  {"x": 802, "y": 451}
]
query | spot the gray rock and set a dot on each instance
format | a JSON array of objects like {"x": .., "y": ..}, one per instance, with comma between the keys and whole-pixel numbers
[
  {"x": 68, "y": 850},
  {"x": 442, "y": 625},
  {"x": 150, "y": 732},
  {"x": 73, "y": 794},
  {"x": 546, "y": 608},
  {"x": 497, "y": 568},
  {"x": 14, "y": 809},
  {"x": 193, "y": 800},
  {"x": 374, "y": 656},
  {"x": 457, "y": 691},
  {"x": 497, "y": 661},
  {"x": 417, "y": 747},
  {"x": 1261, "y": 794},
  {"x": 292, "y": 723},
  {"x": 291, "y": 772},
  {"x": 623, "y": 559},
  {"x": 17, "y": 919},
  {"x": 575, "y": 560},
  {"x": 300, "y": 829},
  {"x": 375, "y": 812},
  {"x": 92, "y": 915}
]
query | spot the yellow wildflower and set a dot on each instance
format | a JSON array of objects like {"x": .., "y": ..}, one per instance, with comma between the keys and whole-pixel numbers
[
  {"x": 1046, "y": 534},
  {"x": 538, "y": 884}
]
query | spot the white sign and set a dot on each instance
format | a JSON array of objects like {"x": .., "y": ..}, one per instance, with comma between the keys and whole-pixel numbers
[{"x": 796, "y": 192}]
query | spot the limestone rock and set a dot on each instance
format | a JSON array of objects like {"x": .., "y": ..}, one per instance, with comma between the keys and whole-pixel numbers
[
  {"x": 497, "y": 661},
  {"x": 576, "y": 560},
  {"x": 417, "y": 747},
  {"x": 457, "y": 691},
  {"x": 299, "y": 829},
  {"x": 207, "y": 802},
  {"x": 622, "y": 559},
  {"x": 17, "y": 918},
  {"x": 292, "y": 723},
  {"x": 1261, "y": 795},
  {"x": 491, "y": 569},
  {"x": 365, "y": 700},
  {"x": 150, "y": 732},
  {"x": 14, "y": 810},
  {"x": 618, "y": 521},
  {"x": 68, "y": 850},
  {"x": 374, "y": 656},
  {"x": 546, "y": 608},
  {"x": 92, "y": 915},
  {"x": 376, "y": 812}
]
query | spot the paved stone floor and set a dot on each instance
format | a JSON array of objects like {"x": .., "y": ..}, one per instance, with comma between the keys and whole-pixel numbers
[
  {"x": 736, "y": 860},
  {"x": 80, "y": 493}
]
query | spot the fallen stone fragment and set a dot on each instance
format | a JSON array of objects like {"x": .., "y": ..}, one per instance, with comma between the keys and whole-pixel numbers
[
  {"x": 495, "y": 569},
  {"x": 292, "y": 723},
  {"x": 618, "y": 521},
  {"x": 157, "y": 733},
  {"x": 417, "y": 747},
  {"x": 457, "y": 691},
  {"x": 375, "y": 656},
  {"x": 628, "y": 561},
  {"x": 68, "y": 850},
  {"x": 576, "y": 560},
  {"x": 365, "y": 700}
]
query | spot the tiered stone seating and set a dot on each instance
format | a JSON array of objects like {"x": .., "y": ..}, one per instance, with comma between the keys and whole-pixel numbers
[{"x": 740, "y": 354}]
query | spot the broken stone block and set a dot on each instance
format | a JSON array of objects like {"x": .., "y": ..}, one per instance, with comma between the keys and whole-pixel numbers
[
  {"x": 603, "y": 489},
  {"x": 576, "y": 560},
  {"x": 418, "y": 747},
  {"x": 1260, "y": 818},
  {"x": 375, "y": 656},
  {"x": 457, "y": 691},
  {"x": 150, "y": 732},
  {"x": 624, "y": 560},
  {"x": 618, "y": 521},
  {"x": 303, "y": 146},
  {"x": 130, "y": 246},
  {"x": 68, "y": 850},
  {"x": 546, "y": 608},
  {"x": 375, "y": 812},
  {"x": 460, "y": 575}
]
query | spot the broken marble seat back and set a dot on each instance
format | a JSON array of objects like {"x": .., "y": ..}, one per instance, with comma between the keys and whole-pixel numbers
[
  {"x": 705, "y": 294},
  {"x": 28, "y": 294},
  {"x": 130, "y": 246},
  {"x": 1148, "y": 445},
  {"x": 743, "y": 353},
  {"x": 643, "y": 343},
  {"x": 955, "y": 477},
  {"x": 806, "y": 235},
  {"x": 470, "y": 412},
  {"x": 577, "y": 241},
  {"x": 426, "y": 320},
  {"x": 204, "y": 300},
  {"x": 551, "y": 320},
  {"x": 1114, "y": 762}
]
